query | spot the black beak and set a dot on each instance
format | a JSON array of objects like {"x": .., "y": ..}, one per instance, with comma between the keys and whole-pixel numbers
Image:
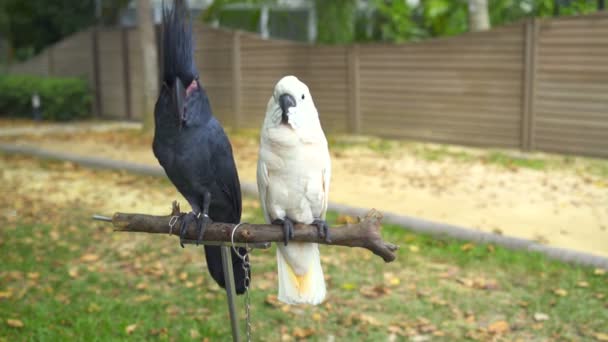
[
  {"x": 179, "y": 96},
  {"x": 286, "y": 101}
]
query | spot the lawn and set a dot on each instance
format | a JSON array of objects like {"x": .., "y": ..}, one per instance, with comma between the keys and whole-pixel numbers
[{"x": 65, "y": 277}]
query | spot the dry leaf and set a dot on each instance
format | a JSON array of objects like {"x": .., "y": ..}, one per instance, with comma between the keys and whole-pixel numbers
[
  {"x": 302, "y": 333},
  {"x": 183, "y": 276},
  {"x": 194, "y": 333},
  {"x": 539, "y": 317},
  {"x": 599, "y": 271},
  {"x": 374, "y": 291},
  {"x": 131, "y": 328},
  {"x": 33, "y": 275},
  {"x": 467, "y": 247},
  {"x": 601, "y": 337},
  {"x": 414, "y": 248},
  {"x": 582, "y": 284},
  {"x": 498, "y": 327},
  {"x": 348, "y": 286},
  {"x": 272, "y": 300},
  {"x": 143, "y": 298},
  {"x": 316, "y": 317},
  {"x": 73, "y": 272},
  {"x": 560, "y": 292},
  {"x": 6, "y": 294},
  {"x": 89, "y": 258},
  {"x": 14, "y": 323},
  {"x": 141, "y": 286}
]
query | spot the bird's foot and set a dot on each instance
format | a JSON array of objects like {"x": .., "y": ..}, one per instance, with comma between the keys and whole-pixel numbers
[
  {"x": 287, "y": 228},
  {"x": 186, "y": 219},
  {"x": 323, "y": 229},
  {"x": 203, "y": 221}
]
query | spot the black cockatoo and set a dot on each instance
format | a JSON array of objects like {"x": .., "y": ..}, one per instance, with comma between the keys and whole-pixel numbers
[{"x": 191, "y": 145}]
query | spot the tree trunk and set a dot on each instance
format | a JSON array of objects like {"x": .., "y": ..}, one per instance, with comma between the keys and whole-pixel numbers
[
  {"x": 147, "y": 39},
  {"x": 479, "y": 19}
]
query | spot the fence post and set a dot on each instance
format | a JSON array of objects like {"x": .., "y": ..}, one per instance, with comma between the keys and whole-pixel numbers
[
  {"x": 354, "y": 105},
  {"x": 96, "y": 71},
  {"x": 531, "y": 30},
  {"x": 236, "y": 78},
  {"x": 126, "y": 68}
]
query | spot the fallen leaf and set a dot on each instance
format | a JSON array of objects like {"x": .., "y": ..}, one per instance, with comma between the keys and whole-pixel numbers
[
  {"x": 414, "y": 248},
  {"x": 183, "y": 276},
  {"x": 89, "y": 258},
  {"x": 316, "y": 317},
  {"x": 349, "y": 286},
  {"x": 73, "y": 272},
  {"x": 143, "y": 298},
  {"x": 130, "y": 328},
  {"x": 420, "y": 338},
  {"x": 560, "y": 292},
  {"x": 272, "y": 300},
  {"x": 33, "y": 275},
  {"x": 14, "y": 323},
  {"x": 6, "y": 294},
  {"x": 539, "y": 317},
  {"x": 599, "y": 271},
  {"x": 374, "y": 291},
  {"x": 302, "y": 333},
  {"x": 582, "y": 284},
  {"x": 194, "y": 333},
  {"x": 498, "y": 327},
  {"x": 141, "y": 286},
  {"x": 601, "y": 337},
  {"x": 467, "y": 247}
]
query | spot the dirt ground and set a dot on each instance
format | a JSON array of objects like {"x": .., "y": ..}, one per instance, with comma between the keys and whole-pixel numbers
[{"x": 561, "y": 201}]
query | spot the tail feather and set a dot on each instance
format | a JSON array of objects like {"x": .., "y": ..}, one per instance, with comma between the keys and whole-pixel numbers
[
  {"x": 304, "y": 288},
  {"x": 178, "y": 48},
  {"x": 213, "y": 255}
]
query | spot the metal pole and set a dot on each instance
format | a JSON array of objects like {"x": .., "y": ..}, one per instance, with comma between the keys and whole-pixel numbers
[{"x": 230, "y": 291}]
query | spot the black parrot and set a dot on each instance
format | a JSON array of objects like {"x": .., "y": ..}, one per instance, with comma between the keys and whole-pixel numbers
[{"x": 191, "y": 145}]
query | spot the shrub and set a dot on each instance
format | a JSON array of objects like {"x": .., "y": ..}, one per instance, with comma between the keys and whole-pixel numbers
[{"x": 61, "y": 98}]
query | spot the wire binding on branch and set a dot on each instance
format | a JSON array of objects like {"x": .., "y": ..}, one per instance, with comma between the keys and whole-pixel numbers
[{"x": 364, "y": 234}]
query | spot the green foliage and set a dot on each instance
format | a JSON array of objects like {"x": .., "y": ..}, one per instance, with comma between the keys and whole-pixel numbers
[
  {"x": 336, "y": 21},
  {"x": 32, "y": 25},
  {"x": 444, "y": 17},
  {"x": 61, "y": 98},
  {"x": 394, "y": 21}
]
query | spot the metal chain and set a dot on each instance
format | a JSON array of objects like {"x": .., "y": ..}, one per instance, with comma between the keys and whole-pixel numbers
[
  {"x": 246, "y": 280},
  {"x": 247, "y": 303}
]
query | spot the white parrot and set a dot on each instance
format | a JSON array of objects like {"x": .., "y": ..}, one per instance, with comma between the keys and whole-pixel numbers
[{"x": 294, "y": 170}]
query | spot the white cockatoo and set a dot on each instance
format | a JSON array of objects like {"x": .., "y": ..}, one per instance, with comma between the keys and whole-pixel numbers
[{"x": 294, "y": 170}]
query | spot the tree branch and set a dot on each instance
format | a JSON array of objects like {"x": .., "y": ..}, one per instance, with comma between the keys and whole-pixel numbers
[{"x": 365, "y": 234}]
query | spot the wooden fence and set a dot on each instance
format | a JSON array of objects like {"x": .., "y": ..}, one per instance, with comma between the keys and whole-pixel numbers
[{"x": 534, "y": 85}]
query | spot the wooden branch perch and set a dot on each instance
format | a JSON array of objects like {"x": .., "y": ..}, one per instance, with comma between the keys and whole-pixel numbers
[{"x": 365, "y": 234}]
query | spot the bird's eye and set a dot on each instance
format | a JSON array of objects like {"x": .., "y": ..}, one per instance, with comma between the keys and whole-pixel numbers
[{"x": 303, "y": 96}]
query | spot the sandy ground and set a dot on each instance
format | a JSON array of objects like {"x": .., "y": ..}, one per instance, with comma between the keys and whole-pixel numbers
[{"x": 564, "y": 207}]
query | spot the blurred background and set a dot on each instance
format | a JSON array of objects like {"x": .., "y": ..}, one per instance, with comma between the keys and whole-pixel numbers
[{"x": 485, "y": 115}]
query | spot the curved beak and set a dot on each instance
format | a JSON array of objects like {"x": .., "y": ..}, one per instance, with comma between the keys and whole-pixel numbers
[
  {"x": 179, "y": 96},
  {"x": 286, "y": 101}
]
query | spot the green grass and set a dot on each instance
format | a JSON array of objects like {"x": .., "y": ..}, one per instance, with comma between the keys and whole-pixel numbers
[
  {"x": 65, "y": 277},
  {"x": 59, "y": 294}
]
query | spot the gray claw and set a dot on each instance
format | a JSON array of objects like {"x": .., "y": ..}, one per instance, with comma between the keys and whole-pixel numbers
[
  {"x": 288, "y": 230},
  {"x": 323, "y": 229},
  {"x": 186, "y": 219}
]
